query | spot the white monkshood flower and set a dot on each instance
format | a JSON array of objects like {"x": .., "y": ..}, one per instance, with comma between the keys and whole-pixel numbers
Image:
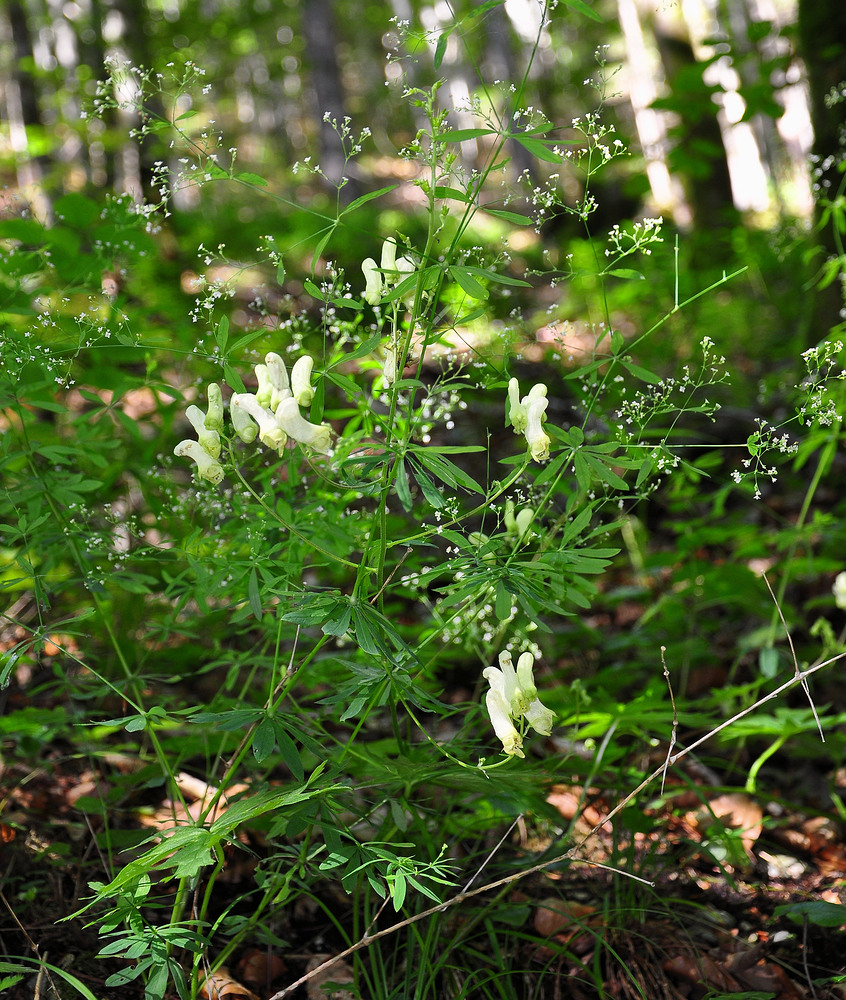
[
  {"x": 839, "y": 590},
  {"x": 270, "y": 433},
  {"x": 515, "y": 691},
  {"x": 242, "y": 422},
  {"x": 389, "y": 365},
  {"x": 294, "y": 424},
  {"x": 209, "y": 440},
  {"x": 536, "y": 436},
  {"x": 301, "y": 380},
  {"x": 518, "y": 527},
  {"x": 526, "y": 416},
  {"x": 389, "y": 254},
  {"x": 264, "y": 390},
  {"x": 517, "y": 410},
  {"x": 500, "y": 713},
  {"x": 207, "y": 467},
  {"x": 540, "y": 718},
  {"x": 372, "y": 281},
  {"x": 279, "y": 385},
  {"x": 214, "y": 416}
]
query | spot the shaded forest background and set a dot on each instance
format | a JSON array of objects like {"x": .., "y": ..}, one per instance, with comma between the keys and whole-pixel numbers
[{"x": 719, "y": 102}]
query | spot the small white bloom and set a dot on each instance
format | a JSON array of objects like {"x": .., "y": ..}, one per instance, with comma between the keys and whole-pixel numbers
[
  {"x": 294, "y": 424},
  {"x": 839, "y": 590},
  {"x": 207, "y": 467}
]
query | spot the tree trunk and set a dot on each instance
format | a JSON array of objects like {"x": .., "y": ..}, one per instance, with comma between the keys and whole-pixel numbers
[{"x": 822, "y": 43}]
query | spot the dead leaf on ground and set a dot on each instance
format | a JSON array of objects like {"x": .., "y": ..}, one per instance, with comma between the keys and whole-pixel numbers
[
  {"x": 339, "y": 972},
  {"x": 220, "y": 984}
]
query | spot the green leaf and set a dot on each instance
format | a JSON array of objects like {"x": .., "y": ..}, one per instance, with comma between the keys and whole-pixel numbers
[
  {"x": 467, "y": 282},
  {"x": 364, "y": 198},
  {"x": 430, "y": 491},
  {"x": 605, "y": 473},
  {"x": 538, "y": 149},
  {"x": 313, "y": 290},
  {"x": 453, "y": 193},
  {"x": 402, "y": 487},
  {"x": 321, "y": 246},
  {"x": 641, "y": 373},
  {"x": 289, "y": 751},
  {"x": 582, "y": 8},
  {"x": 625, "y": 272},
  {"x": 816, "y": 911},
  {"x": 264, "y": 740},
  {"x": 462, "y": 134},
  {"x": 502, "y": 279},
  {"x": 502, "y": 604},
  {"x": 440, "y": 49},
  {"x": 253, "y": 595},
  {"x": 518, "y": 220},
  {"x": 446, "y": 470},
  {"x": 248, "y": 178}
]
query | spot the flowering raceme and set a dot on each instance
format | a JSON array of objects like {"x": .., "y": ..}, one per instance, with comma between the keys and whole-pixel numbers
[
  {"x": 512, "y": 697},
  {"x": 272, "y": 414}
]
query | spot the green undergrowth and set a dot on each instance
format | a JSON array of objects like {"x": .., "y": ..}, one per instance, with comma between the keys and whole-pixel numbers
[{"x": 404, "y": 573}]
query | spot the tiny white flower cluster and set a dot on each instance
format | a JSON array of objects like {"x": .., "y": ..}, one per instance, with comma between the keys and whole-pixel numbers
[
  {"x": 272, "y": 413},
  {"x": 527, "y": 415},
  {"x": 513, "y": 697}
]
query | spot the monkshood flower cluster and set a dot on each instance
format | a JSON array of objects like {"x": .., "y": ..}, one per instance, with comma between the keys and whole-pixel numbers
[
  {"x": 378, "y": 282},
  {"x": 527, "y": 416},
  {"x": 513, "y": 697},
  {"x": 272, "y": 414}
]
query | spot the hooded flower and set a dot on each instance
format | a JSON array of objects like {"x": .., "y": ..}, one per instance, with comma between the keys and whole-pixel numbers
[
  {"x": 372, "y": 282},
  {"x": 294, "y": 424},
  {"x": 205, "y": 451},
  {"x": 214, "y": 416},
  {"x": 536, "y": 436},
  {"x": 245, "y": 407},
  {"x": 514, "y": 692},
  {"x": 839, "y": 590},
  {"x": 498, "y": 710},
  {"x": 207, "y": 467},
  {"x": 527, "y": 415},
  {"x": 301, "y": 380},
  {"x": 209, "y": 439},
  {"x": 518, "y": 526}
]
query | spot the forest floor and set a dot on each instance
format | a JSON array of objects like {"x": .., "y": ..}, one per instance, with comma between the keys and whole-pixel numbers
[{"x": 725, "y": 865}]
